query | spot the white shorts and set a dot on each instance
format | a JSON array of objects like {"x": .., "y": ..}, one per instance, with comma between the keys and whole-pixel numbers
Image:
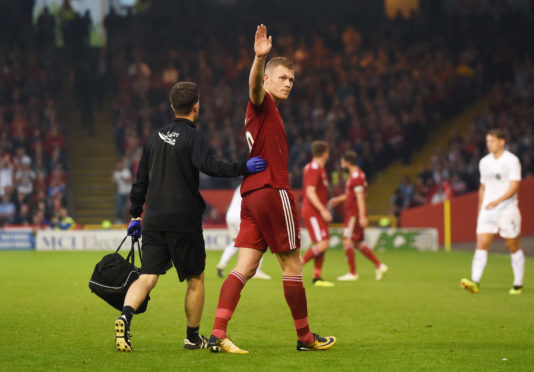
[
  {"x": 233, "y": 228},
  {"x": 506, "y": 223}
]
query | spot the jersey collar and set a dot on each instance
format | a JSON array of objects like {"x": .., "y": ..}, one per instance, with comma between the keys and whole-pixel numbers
[{"x": 185, "y": 121}]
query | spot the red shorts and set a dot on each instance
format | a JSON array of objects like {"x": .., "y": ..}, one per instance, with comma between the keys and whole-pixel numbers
[
  {"x": 269, "y": 219},
  {"x": 317, "y": 227},
  {"x": 353, "y": 230}
]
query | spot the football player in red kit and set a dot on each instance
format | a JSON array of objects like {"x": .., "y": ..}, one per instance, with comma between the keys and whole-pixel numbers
[
  {"x": 268, "y": 213},
  {"x": 314, "y": 212},
  {"x": 355, "y": 218}
]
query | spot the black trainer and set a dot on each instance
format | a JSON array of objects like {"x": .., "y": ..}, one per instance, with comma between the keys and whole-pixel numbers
[
  {"x": 201, "y": 344},
  {"x": 122, "y": 335},
  {"x": 319, "y": 343}
]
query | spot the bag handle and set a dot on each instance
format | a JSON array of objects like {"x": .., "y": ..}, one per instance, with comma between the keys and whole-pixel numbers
[
  {"x": 120, "y": 245},
  {"x": 131, "y": 254}
]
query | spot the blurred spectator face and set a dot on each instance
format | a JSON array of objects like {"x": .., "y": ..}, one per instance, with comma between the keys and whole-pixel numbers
[
  {"x": 24, "y": 209},
  {"x": 26, "y": 164},
  {"x": 494, "y": 144},
  {"x": 38, "y": 218},
  {"x": 278, "y": 81}
]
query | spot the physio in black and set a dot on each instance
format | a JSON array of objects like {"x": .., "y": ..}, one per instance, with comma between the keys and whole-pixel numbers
[{"x": 167, "y": 186}]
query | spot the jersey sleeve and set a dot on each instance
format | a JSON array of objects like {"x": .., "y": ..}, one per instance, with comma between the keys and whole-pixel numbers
[
  {"x": 312, "y": 177},
  {"x": 357, "y": 184},
  {"x": 140, "y": 186},
  {"x": 481, "y": 171},
  {"x": 515, "y": 169},
  {"x": 203, "y": 157}
]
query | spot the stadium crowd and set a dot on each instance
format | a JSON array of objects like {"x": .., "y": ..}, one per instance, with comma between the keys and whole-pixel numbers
[
  {"x": 377, "y": 88},
  {"x": 32, "y": 146},
  {"x": 454, "y": 170},
  {"x": 375, "y": 91}
]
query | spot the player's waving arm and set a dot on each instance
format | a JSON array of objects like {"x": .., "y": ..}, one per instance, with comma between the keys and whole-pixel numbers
[{"x": 262, "y": 47}]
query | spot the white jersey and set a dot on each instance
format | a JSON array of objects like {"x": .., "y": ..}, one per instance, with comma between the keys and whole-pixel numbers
[
  {"x": 233, "y": 214},
  {"x": 495, "y": 175}
]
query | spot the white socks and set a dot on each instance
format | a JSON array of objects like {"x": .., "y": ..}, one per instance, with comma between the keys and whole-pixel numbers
[
  {"x": 261, "y": 262},
  {"x": 518, "y": 265},
  {"x": 481, "y": 257},
  {"x": 229, "y": 251},
  {"x": 479, "y": 263}
]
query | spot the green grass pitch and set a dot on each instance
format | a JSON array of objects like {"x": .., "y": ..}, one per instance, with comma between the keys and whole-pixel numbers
[{"x": 417, "y": 318}]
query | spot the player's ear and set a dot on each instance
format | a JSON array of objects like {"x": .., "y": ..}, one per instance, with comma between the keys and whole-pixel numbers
[{"x": 265, "y": 78}]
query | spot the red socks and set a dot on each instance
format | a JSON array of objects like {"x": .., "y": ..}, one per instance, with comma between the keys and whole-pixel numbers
[
  {"x": 228, "y": 299},
  {"x": 295, "y": 295},
  {"x": 369, "y": 254},
  {"x": 310, "y": 253},
  {"x": 349, "y": 252},
  {"x": 318, "y": 266},
  {"x": 318, "y": 257}
]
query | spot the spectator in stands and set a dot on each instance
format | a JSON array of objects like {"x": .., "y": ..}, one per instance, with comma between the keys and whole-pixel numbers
[
  {"x": 122, "y": 178},
  {"x": 6, "y": 171},
  {"x": 62, "y": 221},
  {"x": 398, "y": 203},
  {"x": 23, "y": 216},
  {"x": 46, "y": 24},
  {"x": 439, "y": 195},
  {"x": 25, "y": 177},
  {"x": 7, "y": 210}
]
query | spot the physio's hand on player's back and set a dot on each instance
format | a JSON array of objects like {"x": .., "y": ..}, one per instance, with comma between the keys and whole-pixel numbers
[
  {"x": 134, "y": 228},
  {"x": 256, "y": 164},
  {"x": 262, "y": 43}
]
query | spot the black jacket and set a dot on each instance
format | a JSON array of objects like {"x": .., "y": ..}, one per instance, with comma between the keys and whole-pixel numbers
[{"x": 167, "y": 178}]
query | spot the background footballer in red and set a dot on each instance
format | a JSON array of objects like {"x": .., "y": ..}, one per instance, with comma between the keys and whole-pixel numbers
[
  {"x": 355, "y": 218},
  {"x": 314, "y": 212}
]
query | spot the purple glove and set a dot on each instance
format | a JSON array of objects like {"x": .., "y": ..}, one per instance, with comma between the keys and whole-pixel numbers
[
  {"x": 134, "y": 228},
  {"x": 256, "y": 164}
]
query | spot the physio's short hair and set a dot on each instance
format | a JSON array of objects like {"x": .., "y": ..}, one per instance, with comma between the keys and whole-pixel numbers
[
  {"x": 350, "y": 157},
  {"x": 318, "y": 148},
  {"x": 497, "y": 132},
  {"x": 279, "y": 61},
  {"x": 183, "y": 96}
]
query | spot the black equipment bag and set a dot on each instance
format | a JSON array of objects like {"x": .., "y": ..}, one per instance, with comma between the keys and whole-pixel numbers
[{"x": 114, "y": 274}]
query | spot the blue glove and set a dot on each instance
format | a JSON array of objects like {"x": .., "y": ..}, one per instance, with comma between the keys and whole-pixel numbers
[
  {"x": 134, "y": 228},
  {"x": 256, "y": 164}
]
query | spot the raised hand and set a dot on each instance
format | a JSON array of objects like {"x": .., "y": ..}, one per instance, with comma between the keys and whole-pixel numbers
[{"x": 262, "y": 43}]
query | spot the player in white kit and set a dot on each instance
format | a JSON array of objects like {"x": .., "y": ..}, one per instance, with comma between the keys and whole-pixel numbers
[
  {"x": 233, "y": 220},
  {"x": 498, "y": 210}
]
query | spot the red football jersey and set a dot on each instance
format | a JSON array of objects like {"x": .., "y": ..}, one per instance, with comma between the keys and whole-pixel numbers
[
  {"x": 355, "y": 182},
  {"x": 266, "y": 138},
  {"x": 314, "y": 175}
]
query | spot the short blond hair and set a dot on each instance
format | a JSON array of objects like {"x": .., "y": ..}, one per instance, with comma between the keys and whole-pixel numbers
[{"x": 279, "y": 61}]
